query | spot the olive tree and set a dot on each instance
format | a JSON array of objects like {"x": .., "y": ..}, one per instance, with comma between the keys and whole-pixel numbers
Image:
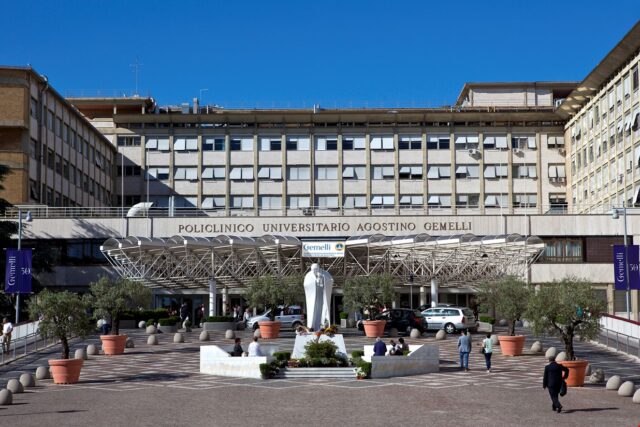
[
  {"x": 509, "y": 296},
  {"x": 270, "y": 291},
  {"x": 566, "y": 308},
  {"x": 368, "y": 293},
  {"x": 111, "y": 298}
]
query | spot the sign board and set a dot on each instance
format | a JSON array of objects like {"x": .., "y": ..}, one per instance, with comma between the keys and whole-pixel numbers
[
  {"x": 322, "y": 249},
  {"x": 17, "y": 279},
  {"x": 620, "y": 270}
]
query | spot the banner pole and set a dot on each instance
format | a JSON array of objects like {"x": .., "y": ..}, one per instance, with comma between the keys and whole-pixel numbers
[{"x": 19, "y": 247}]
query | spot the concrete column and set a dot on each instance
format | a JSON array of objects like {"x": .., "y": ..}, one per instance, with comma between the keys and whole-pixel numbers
[
  {"x": 225, "y": 299},
  {"x": 423, "y": 295},
  {"x": 634, "y": 304},
  {"x": 212, "y": 297},
  {"x": 434, "y": 292},
  {"x": 611, "y": 298}
]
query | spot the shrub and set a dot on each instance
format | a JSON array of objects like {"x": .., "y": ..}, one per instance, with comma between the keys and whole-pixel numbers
[
  {"x": 344, "y": 315},
  {"x": 366, "y": 367},
  {"x": 169, "y": 321},
  {"x": 151, "y": 321},
  {"x": 218, "y": 319},
  {"x": 487, "y": 319},
  {"x": 282, "y": 356},
  {"x": 320, "y": 349},
  {"x": 269, "y": 370},
  {"x": 357, "y": 354}
]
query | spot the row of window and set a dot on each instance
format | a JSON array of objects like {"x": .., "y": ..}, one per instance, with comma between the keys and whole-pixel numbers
[
  {"x": 74, "y": 175},
  {"x": 48, "y": 196},
  {"x": 323, "y": 143}
]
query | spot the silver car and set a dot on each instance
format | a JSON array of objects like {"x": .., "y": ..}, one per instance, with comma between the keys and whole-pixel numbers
[
  {"x": 451, "y": 319},
  {"x": 289, "y": 317}
]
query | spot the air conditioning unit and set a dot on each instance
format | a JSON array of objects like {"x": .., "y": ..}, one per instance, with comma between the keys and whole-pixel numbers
[
  {"x": 620, "y": 177},
  {"x": 562, "y": 151},
  {"x": 517, "y": 151},
  {"x": 473, "y": 151},
  {"x": 307, "y": 211},
  {"x": 553, "y": 179}
]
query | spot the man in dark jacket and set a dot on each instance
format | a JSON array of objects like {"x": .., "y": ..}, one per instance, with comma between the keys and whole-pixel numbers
[
  {"x": 554, "y": 376},
  {"x": 379, "y": 348}
]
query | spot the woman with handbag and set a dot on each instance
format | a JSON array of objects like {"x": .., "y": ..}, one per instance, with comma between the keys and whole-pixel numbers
[{"x": 487, "y": 350}]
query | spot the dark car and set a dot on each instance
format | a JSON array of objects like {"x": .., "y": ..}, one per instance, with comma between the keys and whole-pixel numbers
[{"x": 402, "y": 319}]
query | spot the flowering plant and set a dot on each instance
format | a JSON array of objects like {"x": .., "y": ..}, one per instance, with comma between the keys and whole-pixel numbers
[{"x": 360, "y": 373}]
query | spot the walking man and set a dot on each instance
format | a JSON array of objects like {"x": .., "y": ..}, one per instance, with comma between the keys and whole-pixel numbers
[
  {"x": 554, "y": 376},
  {"x": 464, "y": 348},
  {"x": 7, "y": 328}
]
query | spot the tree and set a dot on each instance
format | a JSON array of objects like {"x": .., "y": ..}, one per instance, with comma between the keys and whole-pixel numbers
[
  {"x": 566, "y": 308},
  {"x": 62, "y": 315},
  {"x": 509, "y": 296},
  {"x": 368, "y": 293},
  {"x": 270, "y": 291},
  {"x": 110, "y": 299}
]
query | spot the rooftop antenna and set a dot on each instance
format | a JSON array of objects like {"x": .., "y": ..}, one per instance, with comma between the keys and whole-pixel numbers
[{"x": 136, "y": 68}]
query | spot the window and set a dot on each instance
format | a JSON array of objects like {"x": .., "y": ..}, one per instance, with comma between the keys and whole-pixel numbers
[
  {"x": 50, "y": 117},
  {"x": 159, "y": 201},
  {"x": 51, "y": 159},
  {"x": 495, "y": 201},
  {"x": 185, "y": 201},
  {"x": 127, "y": 141},
  {"x": 213, "y": 144},
  {"x": 495, "y": 171},
  {"x": 563, "y": 250},
  {"x": 325, "y": 173},
  {"x": 495, "y": 142},
  {"x": 297, "y": 143},
  {"x": 270, "y": 173},
  {"x": 213, "y": 202},
  {"x": 185, "y": 174},
  {"x": 299, "y": 173},
  {"x": 439, "y": 201},
  {"x": 33, "y": 107},
  {"x": 467, "y": 142},
  {"x": 523, "y": 142},
  {"x": 59, "y": 127},
  {"x": 439, "y": 172},
  {"x": 214, "y": 173},
  {"x": 382, "y": 172},
  {"x": 185, "y": 143},
  {"x": 270, "y": 202},
  {"x": 65, "y": 169},
  {"x": 355, "y": 202},
  {"x": 467, "y": 171},
  {"x": 383, "y": 201},
  {"x": 353, "y": 143},
  {"x": 33, "y": 149},
  {"x": 65, "y": 133},
  {"x": 241, "y": 144},
  {"x": 241, "y": 173},
  {"x": 627, "y": 86},
  {"x": 634, "y": 79},
  {"x": 555, "y": 141},
  {"x": 298, "y": 202},
  {"x": 411, "y": 200},
  {"x": 524, "y": 171},
  {"x": 327, "y": 202},
  {"x": 324, "y": 143},
  {"x": 381, "y": 142},
  {"x": 159, "y": 143},
  {"x": 158, "y": 173},
  {"x": 410, "y": 143},
  {"x": 33, "y": 190},
  {"x": 438, "y": 142},
  {"x": 467, "y": 200},
  {"x": 58, "y": 164},
  {"x": 130, "y": 170},
  {"x": 410, "y": 172},
  {"x": 524, "y": 200},
  {"x": 242, "y": 202},
  {"x": 354, "y": 172},
  {"x": 271, "y": 144},
  {"x": 557, "y": 173}
]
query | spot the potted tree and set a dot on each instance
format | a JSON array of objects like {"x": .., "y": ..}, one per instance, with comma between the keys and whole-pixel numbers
[
  {"x": 110, "y": 299},
  {"x": 269, "y": 292},
  {"x": 62, "y": 315},
  {"x": 369, "y": 294},
  {"x": 567, "y": 308},
  {"x": 510, "y": 297}
]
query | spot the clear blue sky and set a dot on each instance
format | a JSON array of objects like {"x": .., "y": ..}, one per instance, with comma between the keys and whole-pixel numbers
[{"x": 296, "y": 53}]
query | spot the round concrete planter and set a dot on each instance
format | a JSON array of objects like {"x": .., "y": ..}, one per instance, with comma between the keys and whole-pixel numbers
[
  {"x": 577, "y": 369},
  {"x": 511, "y": 346},
  {"x": 374, "y": 328},
  {"x": 113, "y": 344},
  {"x": 218, "y": 326},
  {"x": 65, "y": 371},
  {"x": 269, "y": 329}
]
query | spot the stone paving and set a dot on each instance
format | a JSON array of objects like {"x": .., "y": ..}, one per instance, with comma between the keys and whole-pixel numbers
[{"x": 167, "y": 376}]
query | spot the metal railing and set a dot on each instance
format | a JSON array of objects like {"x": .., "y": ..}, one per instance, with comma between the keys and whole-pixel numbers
[
  {"x": 621, "y": 334},
  {"x": 25, "y": 340}
]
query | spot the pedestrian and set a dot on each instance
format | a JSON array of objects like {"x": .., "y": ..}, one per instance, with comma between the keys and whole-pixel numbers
[
  {"x": 254, "y": 348},
  {"x": 7, "y": 329},
  {"x": 487, "y": 350},
  {"x": 184, "y": 311},
  {"x": 403, "y": 346},
  {"x": 464, "y": 348},
  {"x": 554, "y": 376},
  {"x": 237, "y": 349},
  {"x": 393, "y": 349},
  {"x": 379, "y": 348},
  {"x": 247, "y": 316}
]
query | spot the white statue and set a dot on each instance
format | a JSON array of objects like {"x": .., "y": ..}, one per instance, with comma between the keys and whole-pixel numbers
[{"x": 317, "y": 287}]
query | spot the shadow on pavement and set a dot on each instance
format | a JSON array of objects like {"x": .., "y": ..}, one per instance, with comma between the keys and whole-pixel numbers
[{"x": 570, "y": 411}]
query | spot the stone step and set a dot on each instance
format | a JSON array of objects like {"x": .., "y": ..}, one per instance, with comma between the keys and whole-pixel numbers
[{"x": 317, "y": 373}]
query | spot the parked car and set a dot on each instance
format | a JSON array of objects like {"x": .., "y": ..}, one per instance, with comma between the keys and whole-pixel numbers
[
  {"x": 451, "y": 319},
  {"x": 402, "y": 319},
  {"x": 289, "y": 317},
  {"x": 442, "y": 304}
]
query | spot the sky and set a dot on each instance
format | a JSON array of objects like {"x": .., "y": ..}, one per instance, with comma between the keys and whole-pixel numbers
[{"x": 293, "y": 54}]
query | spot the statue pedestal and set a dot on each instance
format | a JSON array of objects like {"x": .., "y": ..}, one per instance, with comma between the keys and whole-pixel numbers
[{"x": 302, "y": 340}]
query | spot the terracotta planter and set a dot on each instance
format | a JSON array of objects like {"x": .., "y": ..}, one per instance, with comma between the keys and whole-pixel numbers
[
  {"x": 374, "y": 328},
  {"x": 577, "y": 369},
  {"x": 269, "y": 329},
  {"x": 511, "y": 346},
  {"x": 65, "y": 371},
  {"x": 113, "y": 344}
]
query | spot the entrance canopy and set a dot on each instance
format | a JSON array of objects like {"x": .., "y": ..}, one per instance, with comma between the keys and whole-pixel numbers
[{"x": 183, "y": 262}]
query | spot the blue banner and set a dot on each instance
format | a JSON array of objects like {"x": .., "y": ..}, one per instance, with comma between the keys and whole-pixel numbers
[
  {"x": 17, "y": 279},
  {"x": 619, "y": 267}
]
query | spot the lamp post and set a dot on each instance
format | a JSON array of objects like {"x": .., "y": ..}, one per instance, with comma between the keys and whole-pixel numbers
[
  {"x": 615, "y": 214},
  {"x": 27, "y": 218}
]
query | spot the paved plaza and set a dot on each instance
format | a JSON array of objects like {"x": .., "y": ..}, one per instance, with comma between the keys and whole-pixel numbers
[{"x": 161, "y": 385}]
